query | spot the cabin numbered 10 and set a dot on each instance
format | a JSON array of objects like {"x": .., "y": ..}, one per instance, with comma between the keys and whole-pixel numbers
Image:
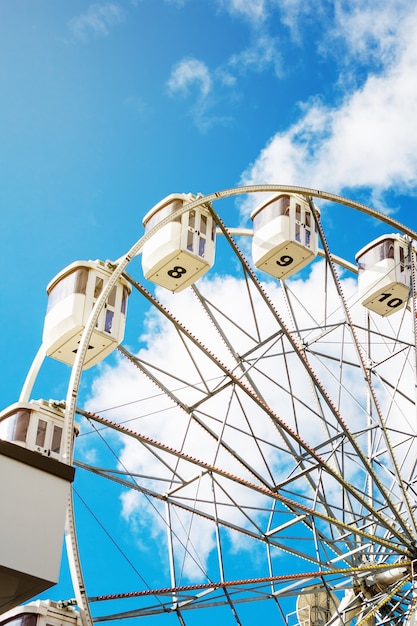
[
  {"x": 181, "y": 251},
  {"x": 384, "y": 274},
  {"x": 72, "y": 295},
  {"x": 34, "y": 489},
  {"x": 285, "y": 238}
]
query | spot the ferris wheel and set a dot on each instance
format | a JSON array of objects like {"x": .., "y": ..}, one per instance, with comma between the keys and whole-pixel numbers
[{"x": 252, "y": 449}]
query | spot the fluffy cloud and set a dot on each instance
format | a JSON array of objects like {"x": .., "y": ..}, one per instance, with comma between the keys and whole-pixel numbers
[
  {"x": 190, "y": 72},
  {"x": 262, "y": 54},
  {"x": 367, "y": 137},
  {"x": 253, "y": 10},
  {"x": 370, "y": 32},
  {"x": 369, "y": 140},
  {"x": 191, "y": 78},
  {"x": 97, "y": 20},
  {"x": 366, "y": 28}
]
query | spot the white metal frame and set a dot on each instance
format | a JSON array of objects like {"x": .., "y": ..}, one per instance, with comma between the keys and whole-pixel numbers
[{"x": 120, "y": 267}]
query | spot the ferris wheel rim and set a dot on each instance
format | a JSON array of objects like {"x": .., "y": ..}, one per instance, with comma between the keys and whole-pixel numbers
[{"x": 121, "y": 265}]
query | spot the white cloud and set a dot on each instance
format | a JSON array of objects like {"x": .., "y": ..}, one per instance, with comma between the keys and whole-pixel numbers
[
  {"x": 264, "y": 53},
  {"x": 370, "y": 140},
  {"x": 187, "y": 73},
  {"x": 253, "y": 10},
  {"x": 192, "y": 79},
  {"x": 366, "y": 28},
  {"x": 97, "y": 20},
  {"x": 369, "y": 30},
  {"x": 362, "y": 33}
]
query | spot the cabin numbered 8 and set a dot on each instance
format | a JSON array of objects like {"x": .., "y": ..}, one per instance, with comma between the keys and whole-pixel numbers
[
  {"x": 384, "y": 274},
  {"x": 72, "y": 295},
  {"x": 35, "y": 482},
  {"x": 285, "y": 238},
  {"x": 181, "y": 251}
]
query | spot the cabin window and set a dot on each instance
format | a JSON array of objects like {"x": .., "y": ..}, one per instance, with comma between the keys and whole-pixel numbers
[
  {"x": 124, "y": 301},
  {"x": 275, "y": 208},
  {"x": 21, "y": 425},
  {"x": 307, "y": 235},
  {"x": 98, "y": 288},
  {"x": 109, "y": 315},
  {"x": 108, "y": 321},
  {"x": 203, "y": 224},
  {"x": 405, "y": 265},
  {"x": 378, "y": 252},
  {"x": 190, "y": 240},
  {"x": 191, "y": 219},
  {"x": 25, "y": 619},
  {"x": 41, "y": 433},
  {"x": 163, "y": 212},
  {"x": 201, "y": 246},
  {"x": 197, "y": 233},
  {"x": 112, "y": 296},
  {"x": 15, "y": 426},
  {"x": 56, "y": 439},
  {"x": 402, "y": 259},
  {"x": 75, "y": 282}
]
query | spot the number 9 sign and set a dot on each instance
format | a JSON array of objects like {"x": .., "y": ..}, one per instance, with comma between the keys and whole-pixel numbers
[{"x": 285, "y": 260}]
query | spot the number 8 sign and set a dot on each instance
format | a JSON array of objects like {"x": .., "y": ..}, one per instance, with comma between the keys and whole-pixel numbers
[{"x": 177, "y": 271}]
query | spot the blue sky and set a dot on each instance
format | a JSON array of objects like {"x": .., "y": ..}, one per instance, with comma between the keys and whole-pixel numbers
[{"x": 108, "y": 106}]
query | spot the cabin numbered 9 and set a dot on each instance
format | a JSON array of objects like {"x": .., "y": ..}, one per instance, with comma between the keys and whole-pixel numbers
[
  {"x": 72, "y": 295},
  {"x": 285, "y": 238},
  {"x": 384, "y": 274},
  {"x": 181, "y": 251},
  {"x": 35, "y": 482}
]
